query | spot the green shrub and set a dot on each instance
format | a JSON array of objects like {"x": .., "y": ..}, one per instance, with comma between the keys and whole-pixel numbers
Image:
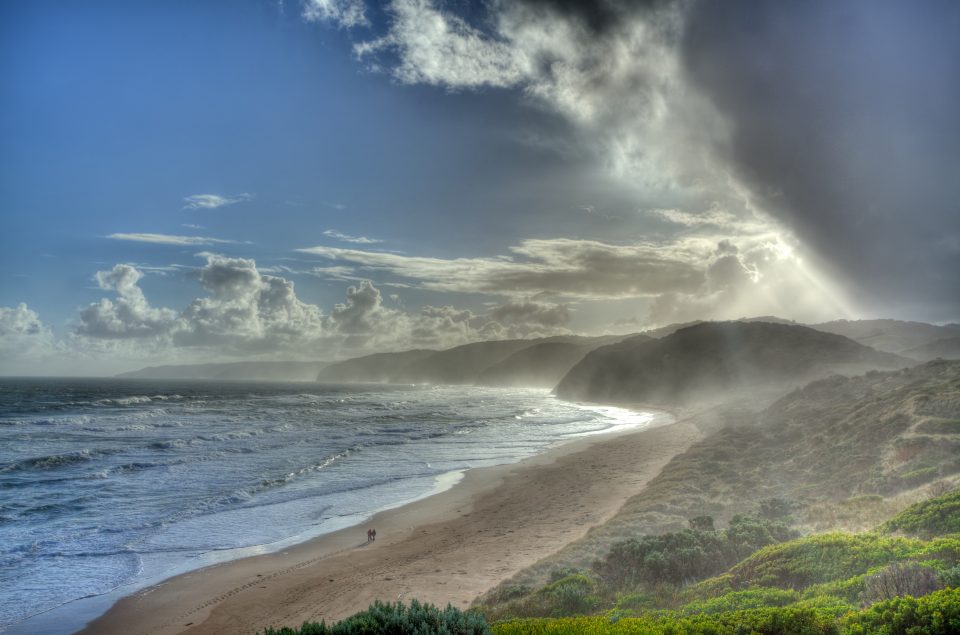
[
  {"x": 820, "y": 558},
  {"x": 571, "y": 595},
  {"x": 690, "y": 554},
  {"x": 755, "y": 598},
  {"x": 780, "y": 621},
  {"x": 397, "y": 619},
  {"x": 940, "y": 515},
  {"x": 934, "y": 614}
]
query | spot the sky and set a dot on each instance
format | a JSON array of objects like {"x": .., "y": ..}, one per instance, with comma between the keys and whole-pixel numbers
[{"x": 190, "y": 181}]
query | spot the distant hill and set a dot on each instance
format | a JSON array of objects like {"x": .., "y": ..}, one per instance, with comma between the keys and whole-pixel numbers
[
  {"x": 463, "y": 364},
  {"x": 381, "y": 368},
  {"x": 711, "y": 359},
  {"x": 893, "y": 336},
  {"x": 467, "y": 363},
  {"x": 946, "y": 348},
  {"x": 542, "y": 365},
  {"x": 250, "y": 371}
]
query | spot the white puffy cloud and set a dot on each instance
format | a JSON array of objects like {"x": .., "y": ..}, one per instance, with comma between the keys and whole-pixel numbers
[
  {"x": 245, "y": 309},
  {"x": 129, "y": 315},
  {"x": 213, "y": 201},
  {"x": 22, "y": 335}
]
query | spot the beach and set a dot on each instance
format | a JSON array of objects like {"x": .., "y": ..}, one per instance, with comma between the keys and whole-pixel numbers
[{"x": 447, "y": 548}]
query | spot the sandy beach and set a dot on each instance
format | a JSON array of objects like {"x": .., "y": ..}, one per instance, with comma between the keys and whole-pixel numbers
[{"x": 448, "y": 548}]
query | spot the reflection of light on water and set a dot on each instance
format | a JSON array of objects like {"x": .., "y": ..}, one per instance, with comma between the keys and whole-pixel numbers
[{"x": 617, "y": 419}]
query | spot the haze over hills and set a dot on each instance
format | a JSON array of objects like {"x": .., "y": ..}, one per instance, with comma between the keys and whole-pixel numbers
[
  {"x": 541, "y": 365},
  {"x": 946, "y": 347},
  {"x": 706, "y": 360},
  {"x": 529, "y": 362},
  {"x": 542, "y": 362},
  {"x": 247, "y": 371},
  {"x": 377, "y": 368},
  {"x": 895, "y": 336}
]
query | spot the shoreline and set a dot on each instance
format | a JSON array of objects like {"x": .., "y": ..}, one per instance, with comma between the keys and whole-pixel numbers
[{"x": 448, "y": 547}]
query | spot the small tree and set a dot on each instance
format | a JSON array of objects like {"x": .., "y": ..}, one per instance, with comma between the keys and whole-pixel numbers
[{"x": 900, "y": 579}]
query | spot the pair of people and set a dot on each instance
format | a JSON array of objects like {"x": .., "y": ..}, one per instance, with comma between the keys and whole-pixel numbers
[{"x": 371, "y": 535}]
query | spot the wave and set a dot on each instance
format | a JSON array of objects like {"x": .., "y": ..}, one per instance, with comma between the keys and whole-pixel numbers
[{"x": 54, "y": 461}]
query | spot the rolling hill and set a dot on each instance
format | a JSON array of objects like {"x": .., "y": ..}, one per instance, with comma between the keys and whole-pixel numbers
[{"x": 709, "y": 360}]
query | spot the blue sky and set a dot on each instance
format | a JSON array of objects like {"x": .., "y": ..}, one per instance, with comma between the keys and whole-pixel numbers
[{"x": 442, "y": 172}]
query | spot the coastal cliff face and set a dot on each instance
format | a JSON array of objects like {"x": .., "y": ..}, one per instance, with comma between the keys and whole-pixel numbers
[{"x": 709, "y": 361}]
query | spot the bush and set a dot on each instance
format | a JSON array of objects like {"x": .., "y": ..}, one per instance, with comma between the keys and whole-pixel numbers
[
  {"x": 785, "y": 621},
  {"x": 939, "y": 515},
  {"x": 934, "y": 614},
  {"x": 740, "y": 600},
  {"x": 900, "y": 579},
  {"x": 397, "y": 619},
  {"x": 572, "y": 595},
  {"x": 690, "y": 554}
]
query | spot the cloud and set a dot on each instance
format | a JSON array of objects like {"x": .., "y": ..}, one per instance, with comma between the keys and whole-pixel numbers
[
  {"x": 168, "y": 239},
  {"x": 213, "y": 201},
  {"x": 22, "y": 332},
  {"x": 532, "y": 314},
  {"x": 847, "y": 131},
  {"x": 573, "y": 268},
  {"x": 344, "y": 13},
  {"x": 834, "y": 123},
  {"x": 129, "y": 315},
  {"x": 763, "y": 277},
  {"x": 359, "y": 240}
]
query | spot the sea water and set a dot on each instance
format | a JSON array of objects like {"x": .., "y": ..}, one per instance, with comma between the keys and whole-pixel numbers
[{"x": 107, "y": 485}]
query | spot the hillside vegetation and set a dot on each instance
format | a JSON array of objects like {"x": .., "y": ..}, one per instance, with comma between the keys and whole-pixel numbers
[
  {"x": 708, "y": 361},
  {"x": 844, "y": 451}
]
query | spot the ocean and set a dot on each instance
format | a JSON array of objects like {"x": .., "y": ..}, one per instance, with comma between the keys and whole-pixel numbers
[{"x": 108, "y": 485}]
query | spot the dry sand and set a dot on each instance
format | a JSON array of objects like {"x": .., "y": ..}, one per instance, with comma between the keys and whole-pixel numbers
[{"x": 450, "y": 547}]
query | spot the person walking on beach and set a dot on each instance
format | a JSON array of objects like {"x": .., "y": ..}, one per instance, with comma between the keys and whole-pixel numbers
[
  {"x": 369, "y": 535},
  {"x": 373, "y": 534}
]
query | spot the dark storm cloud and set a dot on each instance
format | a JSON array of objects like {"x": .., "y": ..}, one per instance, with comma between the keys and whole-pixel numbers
[
  {"x": 596, "y": 15},
  {"x": 845, "y": 120}
]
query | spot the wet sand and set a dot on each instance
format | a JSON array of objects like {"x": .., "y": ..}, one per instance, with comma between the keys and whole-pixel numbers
[{"x": 448, "y": 548}]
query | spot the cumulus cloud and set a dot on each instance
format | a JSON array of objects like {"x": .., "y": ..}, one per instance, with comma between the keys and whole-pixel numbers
[
  {"x": 22, "y": 334},
  {"x": 213, "y": 201},
  {"x": 170, "y": 239},
  {"x": 127, "y": 316},
  {"x": 358, "y": 240},
  {"x": 246, "y": 311}
]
